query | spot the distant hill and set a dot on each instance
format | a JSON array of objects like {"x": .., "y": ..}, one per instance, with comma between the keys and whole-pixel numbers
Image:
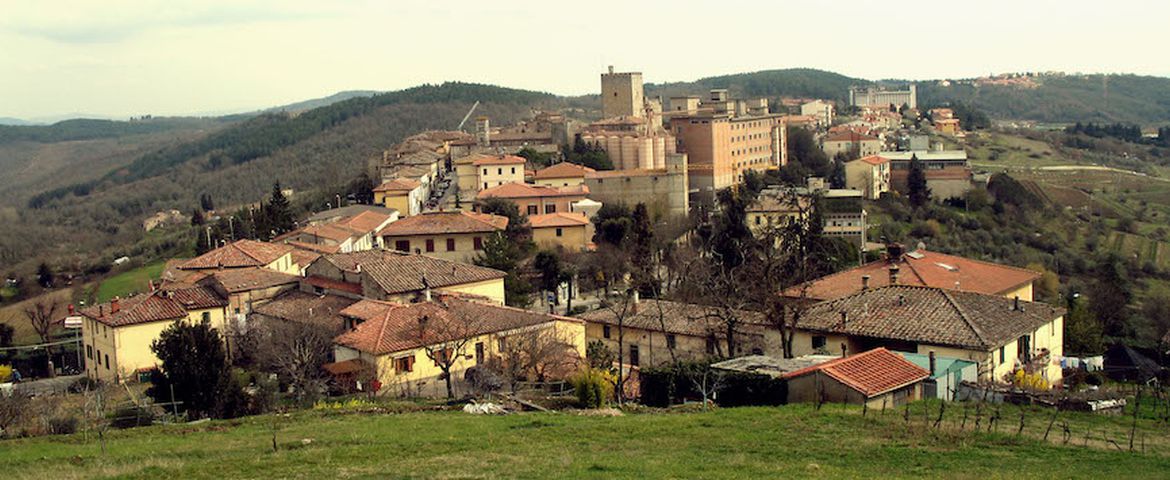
[
  {"x": 88, "y": 129},
  {"x": 15, "y": 121},
  {"x": 791, "y": 82},
  {"x": 1064, "y": 99},
  {"x": 321, "y": 102}
]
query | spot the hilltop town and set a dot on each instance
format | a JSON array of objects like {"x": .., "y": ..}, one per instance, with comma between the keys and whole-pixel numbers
[{"x": 699, "y": 251}]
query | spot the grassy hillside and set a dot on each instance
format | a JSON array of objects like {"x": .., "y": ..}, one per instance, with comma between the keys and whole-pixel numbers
[
  {"x": 792, "y": 82},
  {"x": 785, "y": 442},
  {"x": 1072, "y": 98}
]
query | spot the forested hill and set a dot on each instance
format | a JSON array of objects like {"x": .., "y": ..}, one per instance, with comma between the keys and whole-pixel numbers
[
  {"x": 89, "y": 129},
  {"x": 1065, "y": 99},
  {"x": 791, "y": 82}
]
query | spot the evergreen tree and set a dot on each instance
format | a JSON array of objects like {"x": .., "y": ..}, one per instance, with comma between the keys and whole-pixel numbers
[
  {"x": 550, "y": 268},
  {"x": 612, "y": 223},
  {"x": 45, "y": 275},
  {"x": 362, "y": 189},
  {"x": 193, "y": 363},
  {"x": 518, "y": 230},
  {"x": 916, "y": 182},
  {"x": 504, "y": 255},
  {"x": 837, "y": 174},
  {"x": 197, "y": 217},
  {"x": 278, "y": 214},
  {"x": 731, "y": 238},
  {"x": 206, "y": 203}
]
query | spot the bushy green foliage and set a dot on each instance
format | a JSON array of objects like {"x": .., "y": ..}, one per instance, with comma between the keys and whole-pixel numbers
[
  {"x": 1063, "y": 99},
  {"x": 599, "y": 355},
  {"x": 86, "y": 129},
  {"x": 593, "y": 387},
  {"x": 791, "y": 82},
  {"x": 591, "y": 155},
  {"x": 193, "y": 364}
]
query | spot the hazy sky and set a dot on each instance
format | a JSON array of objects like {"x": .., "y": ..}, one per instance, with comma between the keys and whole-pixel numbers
[{"x": 170, "y": 57}]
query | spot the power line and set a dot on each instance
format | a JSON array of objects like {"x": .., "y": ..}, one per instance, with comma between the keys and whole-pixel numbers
[{"x": 76, "y": 339}]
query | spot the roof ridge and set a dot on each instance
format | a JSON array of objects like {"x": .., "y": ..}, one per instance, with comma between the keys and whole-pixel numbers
[
  {"x": 985, "y": 262},
  {"x": 963, "y": 314}
]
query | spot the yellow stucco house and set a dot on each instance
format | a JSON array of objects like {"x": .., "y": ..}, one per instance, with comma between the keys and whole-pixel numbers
[
  {"x": 401, "y": 342},
  {"x": 999, "y": 334},
  {"x": 117, "y": 335},
  {"x": 402, "y": 194},
  {"x": 456, "y": 235},
  {"x": 570, "y": 231}
]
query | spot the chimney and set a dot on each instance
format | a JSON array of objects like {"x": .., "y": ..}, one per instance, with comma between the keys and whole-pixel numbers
[
  {"x": 611, "y": 69},
  {"x": 70, "y": 309},
  {"x": 932, "y": 364},
  {"x": 844, "y": 350},
  {"x": 426, "y": 288},
  {"x": 844, "y": 318},
  {"x": 358, "y": 267},
  {"x": 636, "y": 300},
  {"x": 894, "y": 274},
  {"x": 865, "y": 282},
  {"x": 894, "y": 252},
  {"x": 1016, "y": 307},
  {"x": 115, "y": 305},
  {"x": 310, "y": 311},
  {"x": 101, "y": 311}
]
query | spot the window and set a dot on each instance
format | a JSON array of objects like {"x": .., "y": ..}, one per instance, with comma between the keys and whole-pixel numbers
[
  {"x": 206, "y": 317},
  {"x": 634, "y": 355},
  {"x": 477, "y": 242},
  {"x": 485, "y": 173},
  {"x": 560, "y": 232},
  {"x": 550, "y": 209},
  {"x": 404, "y": 364},
  {"x": 99, "y": 357},
  {"x": 513, "y": 170},
  {"x": 1001, "y": 357},
  {"x": 605, "y": 331},
  {"x": 479, "y": 353},
  {"x": 89, "y": 352},
  {"x": 501, "y": 343},
  {"x": 402, "y": 245},
  {"x": 818, "y": 342},
  {"x": 670, "y": 340},
  {"x": 430, "y": 244},
  {"x": 499, "y": 171},
  {"x": 485, "y": 187},
  {"x": 757, "y": 220},
  {"x": 442, "y": 356},
  {"x": 711, "y": 344},
  {"x": 1024, "y": 348},
  {"x": 318, "y": 290},
  {"x": 533, "y": 209},
  {"x": 450, "y": 244},
  {"x": 107, "y": 361}
]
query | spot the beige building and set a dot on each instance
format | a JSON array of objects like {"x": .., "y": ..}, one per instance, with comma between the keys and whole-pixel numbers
[
  {"x": 479, "y": 171},
  {"x": 621, "y": 94},
  {"x": 852, "y": 143},
  {"x": 399, "y": 277},
  {"x": 1000, "y": 335},
  {"x": 537, "y": 199},
  {"x": 569, "y": 231},
  {"x": 821, "y": 110},
  {"x": 246, "y": 288},
  {"x": 724, "y": 138},
  {"x": 458, "y": 236},
  {"x": 870, "y": 175},
  {"x": 882, "y": 97},
  {"x": 657, "y": 332},
  {"x": 665, "y": 191},
  {"x": 563, "y": 174},
  {"x": 406, "y": 346},
  {"x": 117, "y": 335}
]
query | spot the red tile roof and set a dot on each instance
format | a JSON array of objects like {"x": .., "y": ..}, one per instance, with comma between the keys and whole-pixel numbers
[
  {"x": 524, "y": 190},
  {"x": 563, "y": 170},
  {"x": 559, "y": 219},
  {"x": 313, "y": 247},
  {"x": 922, "y": 267},
  {"x": 302, "y": 258},
  {"x": 364, "y": 222},
  {"x": 872, "y": 373},
  {"x": 398, "y": 185},
  {"x": 244, "y": 279},
  {"x": 302, "y": 307},
  {"x": 167, "y": 304},
  {"x": 926, "y": 315},
  {"x": 393, "y": 327},
  {"x": 437, "y": 223},
  {"x": 874, "y": 160},
  {"x": 241, "y": 253},
  {"x": 399, "y": 272},
  {"x": 331, "y": 284},
  {"x": 498, "y": 160}
]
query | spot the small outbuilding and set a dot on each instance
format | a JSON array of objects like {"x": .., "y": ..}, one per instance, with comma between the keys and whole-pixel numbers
[{"x": 877, "y": 378}]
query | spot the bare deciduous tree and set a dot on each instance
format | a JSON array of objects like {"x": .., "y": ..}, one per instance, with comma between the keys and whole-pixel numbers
[
  {"x": 296, "y": 351},
  {"x": 445, "y": 339},
  {"x": 536, "y": 354},
  {"x": 41, "y": 315}
]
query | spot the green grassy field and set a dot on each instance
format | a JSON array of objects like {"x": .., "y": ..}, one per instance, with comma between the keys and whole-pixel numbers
[
  {"x": 783, "y": 442},
  {"x": 128, "y": 282}
]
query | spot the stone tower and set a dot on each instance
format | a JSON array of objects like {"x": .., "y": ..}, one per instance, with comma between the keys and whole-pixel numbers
[{"x": 621, "y": 94}]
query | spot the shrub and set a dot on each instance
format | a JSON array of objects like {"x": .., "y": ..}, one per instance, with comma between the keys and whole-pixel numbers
[
  {"x": 63, "y": 425},
  {"x": 5, "y": 373},
  {"x": 130, "y": 417},
  {"x": 593, "y": 387},
  {"x": 83, "y": 384},
  {"x": 599, "y": 355}
]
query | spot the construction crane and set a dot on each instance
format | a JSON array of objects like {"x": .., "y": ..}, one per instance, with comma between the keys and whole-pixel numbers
[{"x": 465, "y": 117}]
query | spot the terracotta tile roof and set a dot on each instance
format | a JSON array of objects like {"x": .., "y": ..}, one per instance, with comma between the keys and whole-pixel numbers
[
  {"x": 498, "y": 160},
  {"x": 302, "y": 258},
  {"x": 331, "y": 284},
  {"x": 929, "y": 315},
  {"x": 302, "y": 307},
  {"x": 559, "y": 219},
  {"x": 336, "y": 214},
  {"x": 874, "y": 160},
  {"x": 244, "y": 279},
  {"x": 328, "y": 231},
  {"x": 173, "y": 273},
  {"x": 524, "y": 190},
  {"x": 563, "y": 170},
  {"x": 399, "y": 272},
  {"x": 680, "y": 318},
  {"x": 313, "y": 247},
  {"x": 438, "y": 223},
  {"x": 392, "y": 327},
  {"x": 925, "y": 268},
  {"x": 347, "y": 367},
  {"x": 167, "y": 304},
  {"x": 364, "y": 222},
  {"x": 398, "y": 185},
  {"x": 850, "y": 137},
  {"x": 872, "y": 373},
  {"x": 241, "y": 253}
]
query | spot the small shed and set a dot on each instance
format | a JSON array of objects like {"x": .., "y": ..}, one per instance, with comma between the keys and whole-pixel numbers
[
  {"x": 877, "y": 378},
  {"x": 946, "y": 373}
]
